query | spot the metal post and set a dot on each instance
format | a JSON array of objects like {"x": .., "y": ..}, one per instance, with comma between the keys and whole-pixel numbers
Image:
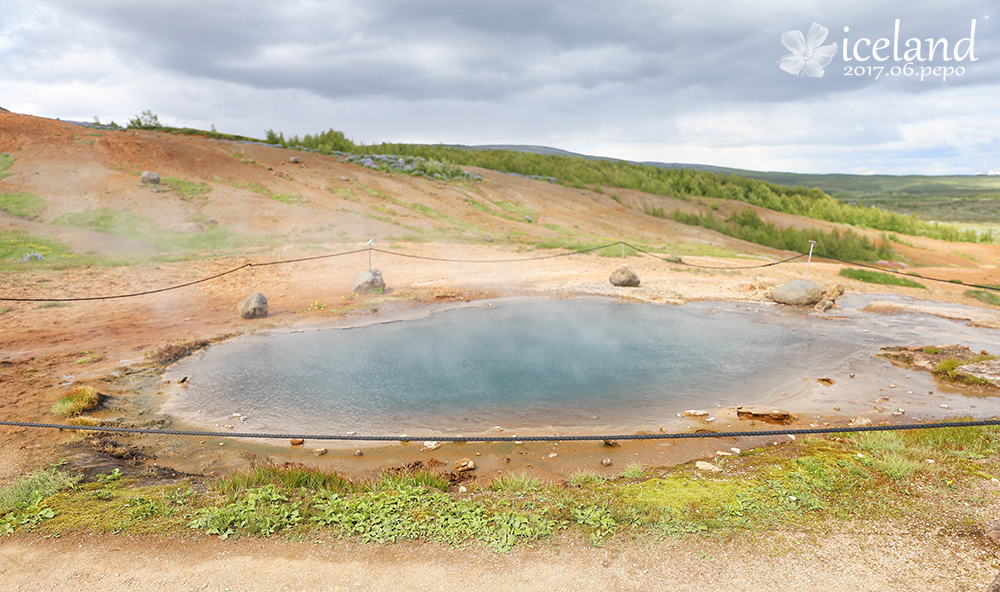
[
  {"x": 370, "y": 254},
  {"x": 251, "y": 278},
  {"x": 812, "y": 244}
]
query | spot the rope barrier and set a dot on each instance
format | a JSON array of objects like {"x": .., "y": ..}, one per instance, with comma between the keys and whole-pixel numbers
[
  {"x": 799, "y": 256},
  {"x": 517, "y": 260},
  {"x": 913, "y": 275},
  {"x": 570, "y": 438}
]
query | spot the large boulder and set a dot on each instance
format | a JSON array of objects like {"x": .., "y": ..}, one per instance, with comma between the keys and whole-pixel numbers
[
  {"x": 254, "y": 307},
  {"x": 369, "y": 281},
  {"x": 623, "y": 276},
  {"x": 798, "y": 292},
  {"x": 150, "y": 178}
]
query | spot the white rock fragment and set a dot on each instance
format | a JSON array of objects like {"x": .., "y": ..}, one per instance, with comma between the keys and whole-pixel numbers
[
  {"x": 696, "y": 413},
  {"x": 496, "y": 429},
  {"x": 943, "y": 406},
  {"x": 736, "y": 450},
  {"x": 431, "y": 445}
]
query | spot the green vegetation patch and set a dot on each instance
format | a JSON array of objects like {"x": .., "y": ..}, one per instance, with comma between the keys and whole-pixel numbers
[
  {"x": 949, "y": 369},
  {"x": 22, "y": 205},
  {"x": 288, "y": 198},
  {"x": 984, "y": 296},
  {"x": 877, "y": 277},
  {"x": 747, "y": 225},
  {"x": 126, "y": 224},
  {"x": 858, "y": 476},
  {"x": 188, "y": 189},
  {"x": 5, "y": 161},
  {"x": 78, "y": 400},
  {"x": 17, "y": 244}
]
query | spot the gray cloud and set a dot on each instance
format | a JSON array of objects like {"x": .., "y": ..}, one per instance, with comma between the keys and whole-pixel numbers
[{"x": 628, "y": 75}]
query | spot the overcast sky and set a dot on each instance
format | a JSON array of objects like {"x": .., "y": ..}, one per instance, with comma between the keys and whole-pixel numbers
[{"x": 686, "y": 81}]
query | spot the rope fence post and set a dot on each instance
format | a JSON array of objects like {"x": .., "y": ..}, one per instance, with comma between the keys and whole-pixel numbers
[{"x": 812, "y": 244}]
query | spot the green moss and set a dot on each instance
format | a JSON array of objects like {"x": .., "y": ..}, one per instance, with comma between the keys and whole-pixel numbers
[{"x": 22, "y": 205}]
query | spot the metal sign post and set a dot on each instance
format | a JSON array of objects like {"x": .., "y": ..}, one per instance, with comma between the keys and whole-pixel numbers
[
  {"x": 812, "y": 244},
  {"x": 370, "y": 254}
]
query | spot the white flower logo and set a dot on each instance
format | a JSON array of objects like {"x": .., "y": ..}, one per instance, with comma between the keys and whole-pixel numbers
[{"x": 807, "y": 56}]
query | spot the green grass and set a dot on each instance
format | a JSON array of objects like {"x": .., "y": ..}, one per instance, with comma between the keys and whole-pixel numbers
[
  {"x": 877, "y": 277},
  {"x": 14, "y": 244},
  {"x": 5, "y": 161},
  {"x": 949, "y": 369},
  {"x": 984, "y": 296},
  {"x": 20, "y": 501},
  {"x": 22, "y": 205},
  {"x": 78, "y": 400},
  {"x": 880, "y": 476},
  {"x": 125, "y": 224},
  {"x": 188, "y": 190},
  {"x": 288, "y": 198}
]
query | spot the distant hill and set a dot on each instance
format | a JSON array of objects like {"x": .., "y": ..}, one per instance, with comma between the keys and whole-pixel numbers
[{"x": 952, "y": 198}]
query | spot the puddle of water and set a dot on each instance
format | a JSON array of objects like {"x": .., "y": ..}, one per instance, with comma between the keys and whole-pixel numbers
[{"x": 585, "y": 365}]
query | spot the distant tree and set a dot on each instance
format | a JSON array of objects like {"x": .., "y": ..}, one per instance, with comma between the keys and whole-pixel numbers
[{"x": 145, "y": 120}]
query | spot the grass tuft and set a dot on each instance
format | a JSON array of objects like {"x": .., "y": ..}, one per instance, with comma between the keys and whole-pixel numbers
[
  {"x": 78, "y": 400},
  {"x": 984, "y": 296}
]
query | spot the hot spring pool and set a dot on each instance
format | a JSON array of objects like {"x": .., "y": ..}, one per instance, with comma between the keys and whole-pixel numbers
[{"x": 536, "y": 364}]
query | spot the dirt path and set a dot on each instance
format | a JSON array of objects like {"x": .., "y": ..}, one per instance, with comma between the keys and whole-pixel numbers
[{"x": 856, "y": 558}]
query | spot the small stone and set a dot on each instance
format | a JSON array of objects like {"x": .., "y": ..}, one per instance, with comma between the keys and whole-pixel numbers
[
  {"x": 736, "y": 450},
  {"x": 431, "y": 445},
  {"x": 351, "y": 433},
  {"x": 464, "y": 465},
  {"x": 369, "y": 281},
  {"x": 150, "y": 178},
  {"x": 496, "y": 429},
  {"x": 358, "y": 453},
  {"x": 254, "y": 307},
  {"x": 695, "y": 413},
  {"x": 723, "y": 453},
  {"x": 611, "y": 443},
  {"x": 294, "y": 160},
  {"x": 228, "y": 427},
  {"x": 943, "y": 406},
  {"x": 296, "y": 441},
  {"x": 930, "y": 461},
  {"x": 624, "y": 277},
  {"x": 606, "y": 462},
  {"x": 859, "y": 421},
  {"x": 553, "y": 454},
  {"x": 706, "y": 466},
  {"x": 319, "y": 451},
  {"x": 462, "y": 489}
]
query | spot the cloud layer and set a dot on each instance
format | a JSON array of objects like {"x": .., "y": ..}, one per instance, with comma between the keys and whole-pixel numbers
[{"x": 645, "y": 80}]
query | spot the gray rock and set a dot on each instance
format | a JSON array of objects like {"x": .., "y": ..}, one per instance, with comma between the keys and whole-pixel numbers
[
  {"x": 369, "y": 281},
  {"x": 798, "y": 292},
  {"x": 150, "y": 178},
  {"x": 623, "y": 276},
  {"x": 254, "y": 307},
  {"x": 294, "y": 160}
]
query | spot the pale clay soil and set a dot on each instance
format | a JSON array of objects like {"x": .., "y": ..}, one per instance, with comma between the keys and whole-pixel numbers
[{"x": 40, "y": 346}]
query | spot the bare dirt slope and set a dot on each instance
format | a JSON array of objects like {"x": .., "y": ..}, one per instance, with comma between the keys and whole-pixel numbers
[{"x": 261, "y": 207}]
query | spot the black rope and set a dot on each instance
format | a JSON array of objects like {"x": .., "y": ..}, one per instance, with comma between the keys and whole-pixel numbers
[
  {"x": 498, "y": 260},
  {"x": 912, "y": 275},
  {"x": 81, "y": 299},
  {"x": 681, "y": 262},
  {"x": 571, "y": 438}
]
